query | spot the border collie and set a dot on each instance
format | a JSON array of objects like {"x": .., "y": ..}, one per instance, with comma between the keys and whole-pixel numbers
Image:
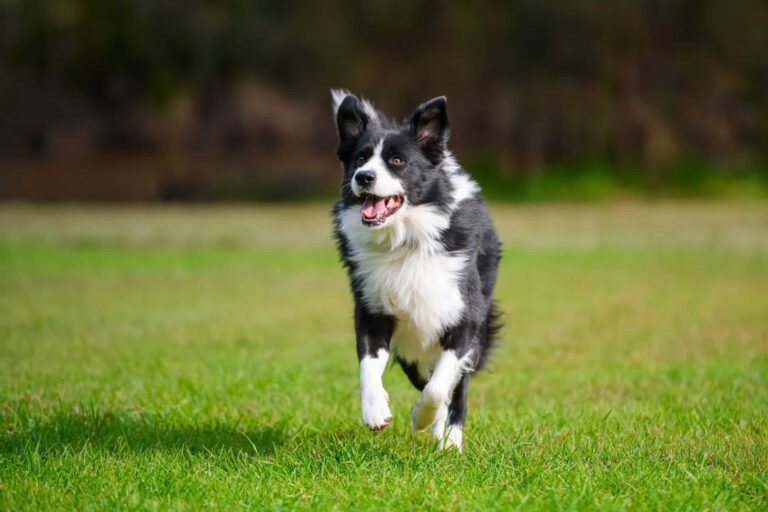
[{"x": 422, "y": 254}]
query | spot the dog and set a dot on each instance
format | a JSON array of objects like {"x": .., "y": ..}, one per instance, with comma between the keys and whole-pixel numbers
[{"x": 422, "y": 255}]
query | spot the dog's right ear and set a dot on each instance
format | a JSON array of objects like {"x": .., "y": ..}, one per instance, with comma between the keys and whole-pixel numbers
[{"x": 351, "y": 118}]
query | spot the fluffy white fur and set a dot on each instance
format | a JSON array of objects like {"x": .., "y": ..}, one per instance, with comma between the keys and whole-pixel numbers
[
  {"x": 464, "y": 187},
  {"x": 406, "y": 273}
]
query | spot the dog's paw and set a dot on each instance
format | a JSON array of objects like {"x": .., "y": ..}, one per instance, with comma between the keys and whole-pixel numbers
[
  {"x": 429, "y": 407},
  {"x": 376, "y": 413},
  {"x": 426, "y": 411},
  {"x": 451, "y": 438}
]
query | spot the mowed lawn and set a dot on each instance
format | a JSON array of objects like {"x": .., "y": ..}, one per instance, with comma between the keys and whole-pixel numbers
[{"x": 203, "y": 357}]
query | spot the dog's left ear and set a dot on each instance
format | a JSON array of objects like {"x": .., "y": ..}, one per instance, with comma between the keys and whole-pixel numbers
[{"x": 429, "y": 125}]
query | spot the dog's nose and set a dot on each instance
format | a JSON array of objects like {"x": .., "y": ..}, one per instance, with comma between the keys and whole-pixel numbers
[{"x": 365, "y": 178}]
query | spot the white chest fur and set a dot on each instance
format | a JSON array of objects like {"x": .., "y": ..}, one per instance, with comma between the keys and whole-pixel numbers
[{"x": 404, "y": 272}]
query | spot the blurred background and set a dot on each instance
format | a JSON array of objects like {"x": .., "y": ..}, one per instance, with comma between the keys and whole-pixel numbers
[
  {"x": 140, "y": 100},
  {"x": 168, "y": 340}
]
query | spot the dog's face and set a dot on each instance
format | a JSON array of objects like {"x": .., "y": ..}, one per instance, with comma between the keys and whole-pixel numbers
[{"x": 387, "y": 168}]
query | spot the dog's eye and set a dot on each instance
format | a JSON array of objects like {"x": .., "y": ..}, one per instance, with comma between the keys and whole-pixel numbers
[
  {"x": 359, "y": 161},
  {"x": 396, "y": 161}
]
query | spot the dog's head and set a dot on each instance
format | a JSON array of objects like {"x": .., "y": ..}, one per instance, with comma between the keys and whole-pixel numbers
[{"x": 386, "y": 166}]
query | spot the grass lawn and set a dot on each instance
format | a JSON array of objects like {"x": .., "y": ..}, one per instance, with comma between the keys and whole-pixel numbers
[{"x": 203, "y": 357}]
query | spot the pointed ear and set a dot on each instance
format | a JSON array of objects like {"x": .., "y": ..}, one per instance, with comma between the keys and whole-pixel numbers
[
  {"x": 429, "y": 125},
  {"x": 338, "y": 95},
  {"x": 351, "y": 119}
]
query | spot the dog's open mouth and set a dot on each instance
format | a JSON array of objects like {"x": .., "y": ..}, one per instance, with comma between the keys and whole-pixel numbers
[{"x": 375, "y": 209}]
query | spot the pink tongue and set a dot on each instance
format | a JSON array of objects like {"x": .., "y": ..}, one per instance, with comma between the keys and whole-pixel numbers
[{"x": 373, "y": 207}]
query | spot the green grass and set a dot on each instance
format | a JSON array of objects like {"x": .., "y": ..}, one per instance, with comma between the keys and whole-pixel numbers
[{"x": 203, "y": 357}]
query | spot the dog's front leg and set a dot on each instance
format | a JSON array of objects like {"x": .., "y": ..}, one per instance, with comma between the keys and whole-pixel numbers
[
  {"x": 433, "y": 402},
  {"x": 373, "y": 335},
  {"x": 442, "y": 404}
]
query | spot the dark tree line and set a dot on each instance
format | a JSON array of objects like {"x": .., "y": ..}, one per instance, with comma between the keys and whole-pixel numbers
[{"x": 532, "y": 84}]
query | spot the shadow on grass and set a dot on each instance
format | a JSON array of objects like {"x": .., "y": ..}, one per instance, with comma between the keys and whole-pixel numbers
[{"x": 121, "y": 431}]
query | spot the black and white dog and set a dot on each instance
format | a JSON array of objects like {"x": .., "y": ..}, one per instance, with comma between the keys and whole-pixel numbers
[{"x": 422, "y": 254}]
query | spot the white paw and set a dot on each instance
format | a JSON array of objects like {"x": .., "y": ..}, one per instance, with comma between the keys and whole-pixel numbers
[
  {"x": 426, "y": 410},
  {"x": 448, "y": 436},
  {"x": 375, "y": 404},
  {"x": 451, "y": 438}
]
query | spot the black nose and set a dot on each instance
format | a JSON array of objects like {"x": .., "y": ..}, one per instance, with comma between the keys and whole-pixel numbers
[{"x": 365, "y": 178}]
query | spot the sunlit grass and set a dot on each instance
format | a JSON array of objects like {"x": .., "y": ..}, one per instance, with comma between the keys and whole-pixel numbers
[{"x": 203, "y": 357}]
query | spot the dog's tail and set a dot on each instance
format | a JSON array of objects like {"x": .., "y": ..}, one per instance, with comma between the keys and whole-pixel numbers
[{"x": 490, "y": 336}]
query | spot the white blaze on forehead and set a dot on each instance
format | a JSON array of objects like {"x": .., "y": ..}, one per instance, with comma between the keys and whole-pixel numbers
[{"x": 386, "y": 184}]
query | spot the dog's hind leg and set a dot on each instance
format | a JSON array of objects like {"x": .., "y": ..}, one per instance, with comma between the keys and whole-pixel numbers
[{"x": 457, "y": 413}]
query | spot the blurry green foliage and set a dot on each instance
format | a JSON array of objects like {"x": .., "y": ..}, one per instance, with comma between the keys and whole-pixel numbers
[
  {"x": 603, "y": 182},
  {"x": 546, "y": 86}
]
